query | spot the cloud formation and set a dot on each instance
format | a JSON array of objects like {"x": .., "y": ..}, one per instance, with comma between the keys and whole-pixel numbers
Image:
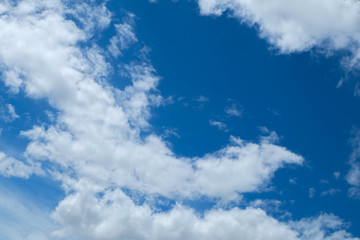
[
  {"x": 297, "y": 26},
  {"x": 98, "y": 147}
]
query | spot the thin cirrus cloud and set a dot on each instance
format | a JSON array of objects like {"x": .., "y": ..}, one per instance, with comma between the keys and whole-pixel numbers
[
  {"x": 218, "y": 124},
  {"x": 96, "y": 148},
  {"x": 353, "y": 176}
]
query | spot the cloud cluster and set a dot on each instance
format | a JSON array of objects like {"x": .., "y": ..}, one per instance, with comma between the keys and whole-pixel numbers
[
  {"x": 115, "y": 216},
  {"x": 100, "y": 148},
  {"x": 295, "y": 26}
]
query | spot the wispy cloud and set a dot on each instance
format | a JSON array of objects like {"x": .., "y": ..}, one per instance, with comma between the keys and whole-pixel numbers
[
  {"x": 312, "y": 192},
  {"x": 202, "y": 99},
  {"x": 219, "y": 125},
  {"x": 8, "y": 113},
  {"x": 10, "y": 167},
  {"x": 353, "y": 176},
  {"x": 125, "y": 36},
  {"x": 330, "y": 192},
  {"x": 234, "y": 110}
]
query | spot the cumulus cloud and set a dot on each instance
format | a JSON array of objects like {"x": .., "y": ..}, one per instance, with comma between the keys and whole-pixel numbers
[
  {"x": 298, "y": 25},
  {"x": 100, "y": 126},
  {"x": 115, "y": 216},
  {"x": 99, "y": 145},
  {"x": 10, "y": 167}
]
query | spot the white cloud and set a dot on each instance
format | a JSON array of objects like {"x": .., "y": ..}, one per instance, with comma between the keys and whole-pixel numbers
[
  {"x": 353, "y": 176},
  {"x": 92, "y": 17},
  {"x": 220, "y": 125},
  {"x": 7, "y": 113},
  {"x": 233, "y": 110},
  {"x": 115, "y": 216},
  {"x": 330, "y": 192},
  {"x": 326, "y": 226},
  {"x": 294, "y": 26},
  {"x": 270, "y": 206},
  {"x": 97, "y": 146},
  {"x": 272, "y": 137},
  {"x": 12, "y": 112},
  {"x": 202, "y": 99},
  {"x": 354, "y": 192},
  {"x": 10, "y": 167},
  {"x": 100, "y": 126},
  {"x": 171, "y": 132},
  {"x": 124, "y": 37}
]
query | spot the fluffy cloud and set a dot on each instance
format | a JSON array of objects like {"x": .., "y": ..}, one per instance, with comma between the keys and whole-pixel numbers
[
  {"x": 114, "y": 215},
  {"x": 97, "y": 133},
  {"x": 326, "y": 226},
  {"x": 298, "y": 25},
  {"x": 100, "y": 146},
  {"x": 10, "y": 167}
]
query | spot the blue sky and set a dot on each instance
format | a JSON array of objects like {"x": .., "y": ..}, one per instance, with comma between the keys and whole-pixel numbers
[{"x": 208, "y": 119}]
